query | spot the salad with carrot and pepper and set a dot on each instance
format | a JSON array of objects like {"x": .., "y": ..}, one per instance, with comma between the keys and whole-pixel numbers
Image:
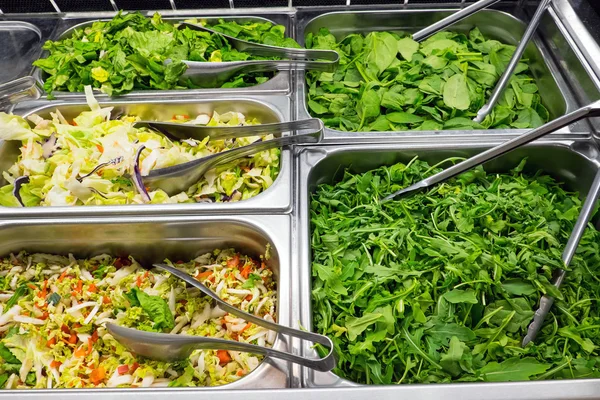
[{"x": 53, "y": 311}]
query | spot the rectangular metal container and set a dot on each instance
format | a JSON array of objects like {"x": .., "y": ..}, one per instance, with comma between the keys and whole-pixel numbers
[
  {"x": 280, "y": 83},
  {"x": 151, "y": 240},
  {"x": 494, "y": 24},
  {"x": 573, "y": 163},
  {"x": 278, "y": 197}
]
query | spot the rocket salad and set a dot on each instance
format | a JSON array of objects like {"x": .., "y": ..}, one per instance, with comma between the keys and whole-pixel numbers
[
  {"x": 441, "y": 286},
  {"x": 91, "y": 160},
  {"x": 53, "y": 311},
  {"x": 386, "y": 82}
]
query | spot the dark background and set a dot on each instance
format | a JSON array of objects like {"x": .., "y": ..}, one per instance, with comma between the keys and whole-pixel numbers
[{"x": 588, "y": 10}]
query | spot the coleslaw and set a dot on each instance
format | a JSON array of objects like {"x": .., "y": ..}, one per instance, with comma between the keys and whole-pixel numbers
[
  {"x": 92, "y": 160},
  {"x": 53, "y": 311}
]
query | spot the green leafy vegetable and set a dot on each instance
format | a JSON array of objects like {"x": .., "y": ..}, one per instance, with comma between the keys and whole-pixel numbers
[
  {"x": 20, "y": 292},
  {"x": 441, "y": 82},
  {"x": 441, "y": 286},
  {"x": 129, "y": 53},
  {"x": 156, "y": 308}
]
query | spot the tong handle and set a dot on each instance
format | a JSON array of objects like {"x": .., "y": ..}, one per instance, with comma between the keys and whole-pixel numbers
[
  {"x": 265, "y": 50},
  {"x": 546, "y": 301},
  {"x": 324, "y": 364},
  {"x": 200, "y": 132},
  {"x": 591, "y": 110},
  {"x": 514, "y": 61},
  {"x": 452, "y": 19}
]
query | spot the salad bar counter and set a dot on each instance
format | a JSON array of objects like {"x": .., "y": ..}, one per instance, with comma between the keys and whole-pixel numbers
[{"x": 302, "y": 123}]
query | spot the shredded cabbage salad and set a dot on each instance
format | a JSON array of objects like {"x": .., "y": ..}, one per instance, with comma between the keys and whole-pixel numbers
[
  {"x": 90, "y": 160},
  {"x": 53, "y": 311}
]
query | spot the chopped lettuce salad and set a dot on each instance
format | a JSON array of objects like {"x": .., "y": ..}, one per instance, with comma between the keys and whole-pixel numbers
[
  {"x": 91, "y": 160},
  {"x": 53, "y": 311}
]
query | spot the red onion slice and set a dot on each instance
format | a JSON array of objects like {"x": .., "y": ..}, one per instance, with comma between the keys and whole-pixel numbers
[
  {"x": 137, "y": 176},
  {"x": 17, "y": 188},
  {"x": 49, "y": 146}
]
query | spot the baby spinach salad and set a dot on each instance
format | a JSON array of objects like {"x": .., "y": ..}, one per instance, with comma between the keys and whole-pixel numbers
[
  {"x": 129, "y": 53},
  {"x": 441, "y": 286},
  {"x": 386, "y": 82}
]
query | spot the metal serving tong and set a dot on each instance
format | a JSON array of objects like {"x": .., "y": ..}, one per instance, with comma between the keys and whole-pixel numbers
[
  {"x": 169, "y": 347},
  {"x": 514, "y": 61},
  {"x": 592, "y": 110},
  {"x": 19, "y": 90},
  {"x": 568, "y": 253},
  {"x": 212, "y": 73},
  {"x": 452, "y": 19},
  {"x": 180, "y": 177}
]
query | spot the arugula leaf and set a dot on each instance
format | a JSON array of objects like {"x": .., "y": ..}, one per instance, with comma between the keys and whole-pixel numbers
[
  {"x": 441, "y": 286},
  {"x": 513, "y": 369}
]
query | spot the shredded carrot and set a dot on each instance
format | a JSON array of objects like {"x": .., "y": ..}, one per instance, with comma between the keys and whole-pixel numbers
[
  {"x": 240, "y": 372},
  {"x": 55, "y": 364},
  {"x": 76, "y": 325},
  {"x": 249, "y": 297},
  {"x": 44, "y": 292},
  {"x": 95, "y": 336},
  {"x": 224, "y": 356},
  {"x": 134, "y": 367},
  {"x": 51, "y": 342},
  {"x": 105, "y": 300},
  {"x": 138, "y": 281},
  {"x": 92, "y": 288},
  {"x": 74, "y": 123},
  {"x": 146, "y": 275},
  {"x": 98, "y": 375},
  {"x": 73, "y": 338},
  {"x": 100, "y": 148},
  {"x": 80, "y": 352},
  {"x": 234, "y": 262},
  {"x": 62, "y": 276},
  {"x": 90, "y": 346},
  {"x": 246, "y": 271},
  {"x": 44, "y": 316},
  {"x": 31, "y": 286},
  {"x": 203, "y": 275},
  {"x": 79, "y": 286},
  {"x": 248, "y": 325}
]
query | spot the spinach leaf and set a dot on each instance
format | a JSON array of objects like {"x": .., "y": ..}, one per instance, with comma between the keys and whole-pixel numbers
[
  {"x": 443, "y": 81},
  {"x": 456, "y": 92}
]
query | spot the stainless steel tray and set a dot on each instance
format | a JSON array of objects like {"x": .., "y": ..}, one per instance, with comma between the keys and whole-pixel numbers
[
  {"x": 572, "y": 162},
  {"x": 279, "y": 84},
  {"x": 154, "y": 239},
  {"x": 495, "y": 24},
  {"x": 21, "y": 42},
  {"x": 269, "y": 109}
]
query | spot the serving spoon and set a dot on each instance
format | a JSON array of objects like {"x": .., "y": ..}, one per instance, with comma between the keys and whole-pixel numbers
[
  {"x": 171, "y": 347},
  {"x": 180, "y": 177}
]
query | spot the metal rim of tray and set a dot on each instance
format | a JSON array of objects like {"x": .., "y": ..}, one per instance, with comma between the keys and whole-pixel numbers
[{"x": 298, "y": 217}]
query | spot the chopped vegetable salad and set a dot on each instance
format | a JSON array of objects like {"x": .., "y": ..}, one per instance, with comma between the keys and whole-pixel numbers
[
  {"x": 96, "y": 160},
  {"x": 53, "y": 311}
]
